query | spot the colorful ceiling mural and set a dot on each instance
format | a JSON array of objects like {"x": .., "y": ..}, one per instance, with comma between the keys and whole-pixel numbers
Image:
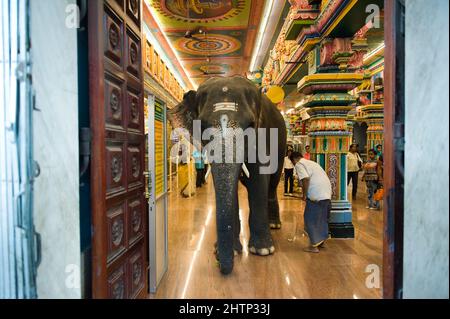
[{"x": 211, "y": 37}]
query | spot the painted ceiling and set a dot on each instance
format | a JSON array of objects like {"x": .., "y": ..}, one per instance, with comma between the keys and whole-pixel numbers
[{"x": 223, "y": 34}]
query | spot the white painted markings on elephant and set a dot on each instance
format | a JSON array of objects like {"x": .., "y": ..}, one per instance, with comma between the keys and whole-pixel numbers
[
  {"x": 226, "y": 106},
  {"x": 225, "y": 144}
]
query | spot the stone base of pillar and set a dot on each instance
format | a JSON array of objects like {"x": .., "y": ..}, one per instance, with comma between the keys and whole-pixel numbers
[
  {"x": 342, "y": 230},
  {"x": 341, "y": 225}
]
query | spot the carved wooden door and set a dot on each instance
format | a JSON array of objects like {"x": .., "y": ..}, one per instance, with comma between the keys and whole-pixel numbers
[{"x": 119, "y": 219}]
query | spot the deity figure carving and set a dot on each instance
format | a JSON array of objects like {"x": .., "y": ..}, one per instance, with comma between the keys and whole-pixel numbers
[
  {"x": 301, "y": 9},
  {"x": 332, "y": 49},
  {"x": 357, "y": 60}
]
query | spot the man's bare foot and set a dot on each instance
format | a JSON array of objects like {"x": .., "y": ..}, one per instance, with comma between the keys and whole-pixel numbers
[{"x": 311, "y": 249}]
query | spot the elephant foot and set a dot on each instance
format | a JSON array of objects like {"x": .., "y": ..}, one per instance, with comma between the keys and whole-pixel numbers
[
  {"x": 236, "y": 252},
  {"x": 237, "y": 249},
  {"x": 261, "y": 244},
  {"x": 275, "y": 225},
  {"x": 262, "y": 251},
  {"x": 226, "y": 267}
]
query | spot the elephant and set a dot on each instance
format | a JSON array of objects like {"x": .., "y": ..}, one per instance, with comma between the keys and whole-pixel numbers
[{"x": 221, "y": 103}]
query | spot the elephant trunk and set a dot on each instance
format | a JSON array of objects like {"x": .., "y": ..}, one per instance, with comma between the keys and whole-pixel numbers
[{"x": 226, "y": 178}]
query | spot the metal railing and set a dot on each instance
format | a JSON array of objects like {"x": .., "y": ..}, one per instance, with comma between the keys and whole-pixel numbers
[{"x": 19, "y": 244}]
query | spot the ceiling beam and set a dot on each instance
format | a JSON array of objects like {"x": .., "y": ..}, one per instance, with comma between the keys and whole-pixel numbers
[{"x": 150, "y": 21}]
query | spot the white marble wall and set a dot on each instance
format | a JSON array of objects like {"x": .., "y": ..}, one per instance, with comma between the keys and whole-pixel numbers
[
  {"x": 56, "y": 148},
  {"x": 427, "y": 147}
]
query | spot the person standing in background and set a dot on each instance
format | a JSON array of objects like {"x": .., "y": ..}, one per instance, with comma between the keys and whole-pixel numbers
[
  {"x": 380, "y": 171},
  {"x": 354, "y": 164},
  {"x": 307, "y": 154},
  {"x": 371, "y": 173},
  {"x": 200, "y": 168},
  {"x": 379, "y": 151},
  {"x": 288, "y": 175}
]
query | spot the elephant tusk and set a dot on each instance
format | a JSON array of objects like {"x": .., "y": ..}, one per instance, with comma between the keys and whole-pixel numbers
[
  {"x": 245, "y": 169},
  {"x": 208, "y": 172}
]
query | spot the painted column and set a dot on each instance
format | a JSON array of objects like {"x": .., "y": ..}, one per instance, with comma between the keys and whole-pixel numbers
[
  {"x": 350, "y": 123},
  {"x": 329, "y": 103},
  {"x": 374, "y": 117}
]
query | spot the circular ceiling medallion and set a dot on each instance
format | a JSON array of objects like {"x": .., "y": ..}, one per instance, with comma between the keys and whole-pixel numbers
[
  {"x": 215, "y": 44},
  {"x": 199, "y": 10}
]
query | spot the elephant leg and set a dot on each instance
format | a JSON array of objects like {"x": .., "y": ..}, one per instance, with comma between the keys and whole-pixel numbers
[
  {"x": 274, "y": 210},
  {"x": 260, "y": 238},
  {"x": 226, "y": 187},
  {"x": 237, "y": 246}
]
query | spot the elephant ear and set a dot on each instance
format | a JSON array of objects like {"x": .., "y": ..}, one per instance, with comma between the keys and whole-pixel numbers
[
  {"x": 263, "y": 102},
  {"x": 183, "y": 115}
]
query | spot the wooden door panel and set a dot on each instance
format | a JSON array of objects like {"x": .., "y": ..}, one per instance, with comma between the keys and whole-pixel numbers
[
  {"x": 113, "y": 41},
  {"x": 136, "y": 216},
  {"x": 114, "y": 102},
  {"x": 136, "y": 271},
  {"x": 135, "y": 113},
  {"x": 134, "y": 11},
  {"x": 135, "y": 165},
  {"x": 133, "y": 53},
  {"x": 116, "y": 235},
  {"x": 115, "y": 168},
  {"x": 120, "y": 3},
  {"x": 119, "y": 219},
  {"x": 117, "y": 284}
]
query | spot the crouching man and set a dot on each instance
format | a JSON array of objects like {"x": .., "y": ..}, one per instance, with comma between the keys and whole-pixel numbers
[{"x": 317, "y": 194}]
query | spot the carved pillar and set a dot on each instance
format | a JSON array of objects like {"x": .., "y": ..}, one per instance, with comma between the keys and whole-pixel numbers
[
  {"x": 329, "y": 103},
  {"x": 374, "y": 117},
  {"x": 350, "y": 124}
]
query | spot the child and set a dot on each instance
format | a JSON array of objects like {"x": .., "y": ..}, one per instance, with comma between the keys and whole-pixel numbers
[{"x": 371, "y": 178}]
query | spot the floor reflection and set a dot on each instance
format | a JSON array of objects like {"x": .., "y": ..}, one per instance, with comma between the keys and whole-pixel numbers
[{"x": 339, "y": 271}]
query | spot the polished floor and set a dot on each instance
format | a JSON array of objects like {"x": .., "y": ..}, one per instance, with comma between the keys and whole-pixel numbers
[{"x": 338, "y": 271}]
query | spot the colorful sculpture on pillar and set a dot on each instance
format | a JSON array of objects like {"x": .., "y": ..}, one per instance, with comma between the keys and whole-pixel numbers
[
  {"x": 374, "y": 117},
  {"x": 330, "y": 138}
]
